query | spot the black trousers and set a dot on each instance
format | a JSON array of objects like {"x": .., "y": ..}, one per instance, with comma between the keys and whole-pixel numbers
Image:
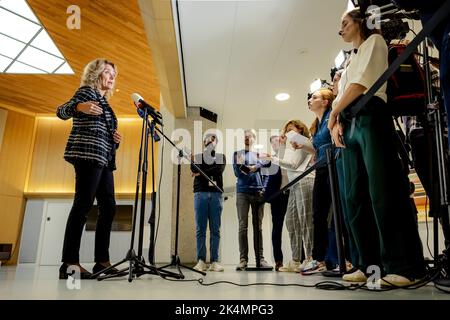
[
  {"x": 278, "y": 209},
  {"x": 91, "y": 182},
  {"x": 321, "y": 209}
]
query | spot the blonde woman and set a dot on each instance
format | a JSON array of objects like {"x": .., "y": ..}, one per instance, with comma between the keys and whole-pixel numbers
[
  {"x": 91, "y": 149},
  {"x": 299, "y": 211}
]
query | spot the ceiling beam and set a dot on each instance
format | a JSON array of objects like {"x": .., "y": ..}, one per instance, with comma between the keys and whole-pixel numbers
[{"x": 160, "y": 29}]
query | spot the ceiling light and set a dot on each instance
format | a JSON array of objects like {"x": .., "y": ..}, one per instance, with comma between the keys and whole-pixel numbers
[{"x": 282, "y": 97}]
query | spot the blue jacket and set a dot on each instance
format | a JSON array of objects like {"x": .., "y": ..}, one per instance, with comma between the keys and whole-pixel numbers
[{"x": 253, "y": 181}]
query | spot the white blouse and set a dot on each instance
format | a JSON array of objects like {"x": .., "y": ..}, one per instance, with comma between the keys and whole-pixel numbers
[{"x": 366, "y": 66}]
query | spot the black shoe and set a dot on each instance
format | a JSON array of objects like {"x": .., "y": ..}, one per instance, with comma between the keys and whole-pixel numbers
[
  {"x": 63, "y": 274},
  {"x": 98, "y": 267}
]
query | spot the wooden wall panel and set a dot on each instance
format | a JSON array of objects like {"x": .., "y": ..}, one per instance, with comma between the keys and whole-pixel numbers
[
  {"x": 15, "y": 152},
  {"x": 14, "y": 159},
  {"x": 51, "y": 174}
]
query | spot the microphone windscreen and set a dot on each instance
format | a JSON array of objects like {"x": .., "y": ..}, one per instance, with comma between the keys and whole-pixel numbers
[{"x": 136, "y": 98}]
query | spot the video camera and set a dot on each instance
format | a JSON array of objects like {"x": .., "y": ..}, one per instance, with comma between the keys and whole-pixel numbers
[{"x": 388, "y": 16}]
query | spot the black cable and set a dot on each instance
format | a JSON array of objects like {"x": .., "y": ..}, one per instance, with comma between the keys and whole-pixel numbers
[{"x": 159, "y": 187}]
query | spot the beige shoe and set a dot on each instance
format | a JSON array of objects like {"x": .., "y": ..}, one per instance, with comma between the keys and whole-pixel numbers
[
  {"x": 200, "y": 266},
  {"x": 215, "y": 267},
  {"x": 357, "y": 276},
  {"x": 395, "y": 280},
  {"x": 293, "y": 266}
]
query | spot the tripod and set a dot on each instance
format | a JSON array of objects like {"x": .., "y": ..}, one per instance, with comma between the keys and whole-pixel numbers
[
  {"x": 435, "y": 118},
  {"x": 137, "y": 266},
  {"x": 175, "y": 261}
]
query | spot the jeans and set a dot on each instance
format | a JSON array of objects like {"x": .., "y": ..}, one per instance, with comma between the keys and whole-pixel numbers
[
  {"x": 208, "y": 207},
  {"x": 91, "y": 182}
]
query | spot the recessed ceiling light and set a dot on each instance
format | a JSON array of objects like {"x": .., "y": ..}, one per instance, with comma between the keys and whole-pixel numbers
[{"x": 282, "y": 96}]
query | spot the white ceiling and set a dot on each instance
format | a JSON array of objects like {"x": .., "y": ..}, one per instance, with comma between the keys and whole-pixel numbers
[{"x": 239, "y": 54}]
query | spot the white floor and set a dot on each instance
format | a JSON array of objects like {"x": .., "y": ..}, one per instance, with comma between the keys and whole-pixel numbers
[{"x": 29, "y": 282}]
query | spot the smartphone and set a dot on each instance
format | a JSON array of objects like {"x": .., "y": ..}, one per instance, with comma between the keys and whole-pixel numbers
[{"x": 244, "y": 169}]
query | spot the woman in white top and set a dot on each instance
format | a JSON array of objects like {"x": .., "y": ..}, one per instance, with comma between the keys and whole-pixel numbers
[
  {"x": 299, "y": 211},
  {"x": 374, "y": 179}
]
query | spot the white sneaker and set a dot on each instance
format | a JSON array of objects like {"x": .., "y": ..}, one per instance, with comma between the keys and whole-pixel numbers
[
  {"x": 215, "y": 267},
  {"x": 264, "y": 264},
  {"x": 200, "y": 266}
]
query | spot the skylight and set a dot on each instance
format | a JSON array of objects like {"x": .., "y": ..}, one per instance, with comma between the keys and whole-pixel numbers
[{"x": 25, "y": 45}]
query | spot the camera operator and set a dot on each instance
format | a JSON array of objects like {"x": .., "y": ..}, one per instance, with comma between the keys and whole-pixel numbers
[{"x": 440, "y": 37}]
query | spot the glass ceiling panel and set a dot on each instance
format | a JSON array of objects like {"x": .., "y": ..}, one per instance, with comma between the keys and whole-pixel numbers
[
  {"x": 65, "y": 69},
  {"x": 44, "y": 42},
  {"x": 20, "y": 7},
  {"x": 16, "y": 27},
  {"x": 18, "y": 67},
  {"x": 21, "y": 35},
  {"x": 4, "y": 62},
  {"x": 40, "y": 59},
  {"x": 10, "y": 47}
]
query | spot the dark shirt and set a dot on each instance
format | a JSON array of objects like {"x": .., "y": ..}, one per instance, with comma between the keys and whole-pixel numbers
[
  {"x": 213, "y": 166},
  {"x": 322, "y": 138}
]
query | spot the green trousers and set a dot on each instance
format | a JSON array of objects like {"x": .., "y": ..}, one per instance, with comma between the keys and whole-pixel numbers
[{"x": 379, "y": 210}]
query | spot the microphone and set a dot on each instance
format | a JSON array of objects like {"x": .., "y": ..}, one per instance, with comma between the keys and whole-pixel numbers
[{"x": 140, "y": 103}]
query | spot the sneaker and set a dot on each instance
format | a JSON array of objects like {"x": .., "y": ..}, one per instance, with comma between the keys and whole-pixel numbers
[
  {"x": 443, "y": 285},
  {"x": 200, "y": 266},
  {"x": 215, "y": 267},
  {"x": 264, "y": 264},
  {"x": 357, "y": 276},
  {"x": 313, "y": 266},
  {"x": 304, "y": 263},
  {"x": 395, "y": 280},
  {"x": 293, "y": 266},
  {"x": 242, "y": 265},
  {"x": 278, "y": 265}
]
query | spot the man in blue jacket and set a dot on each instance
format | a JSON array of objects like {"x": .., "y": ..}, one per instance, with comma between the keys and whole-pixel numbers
[{"x": 249, "y": 193}]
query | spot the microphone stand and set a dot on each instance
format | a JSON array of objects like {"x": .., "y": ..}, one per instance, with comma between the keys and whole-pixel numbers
[{"x": 175, "y": 262}]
